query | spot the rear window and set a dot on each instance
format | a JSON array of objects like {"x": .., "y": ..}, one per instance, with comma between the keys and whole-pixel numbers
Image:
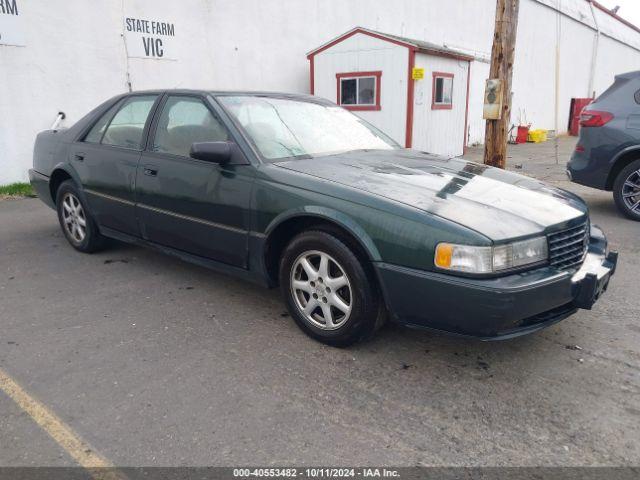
[
  {"x": 127, "y": 126},
  {"x": 617, "y": 85},
  {"x": 96, "y": 133}
]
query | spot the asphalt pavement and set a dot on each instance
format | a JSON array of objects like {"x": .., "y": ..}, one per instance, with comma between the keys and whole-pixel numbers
[{"x": 158, "y": 362}]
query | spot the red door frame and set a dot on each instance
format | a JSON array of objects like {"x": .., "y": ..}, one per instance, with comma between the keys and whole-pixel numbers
[{"x": 410, "y": 82}]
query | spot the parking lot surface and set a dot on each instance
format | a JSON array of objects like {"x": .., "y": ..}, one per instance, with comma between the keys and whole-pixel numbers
[{"x": 154, "y": 361}]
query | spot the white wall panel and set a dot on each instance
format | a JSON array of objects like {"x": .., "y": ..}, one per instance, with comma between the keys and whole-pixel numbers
[
  {"x": 476, "y": 124},
  {"x": 74, "y": 59},
  {"x": 74, "y": 55},
  {"x": 534, "y": 76}
]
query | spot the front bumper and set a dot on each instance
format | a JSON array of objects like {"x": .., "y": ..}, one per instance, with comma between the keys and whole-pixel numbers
[{"x": 501, "y": 307}]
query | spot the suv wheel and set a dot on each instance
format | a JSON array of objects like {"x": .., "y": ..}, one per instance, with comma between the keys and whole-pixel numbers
[
  {"x": 626, "y": 190},
  {"x": 78, "y": 226},
  {"x": 327, "y": 290}
]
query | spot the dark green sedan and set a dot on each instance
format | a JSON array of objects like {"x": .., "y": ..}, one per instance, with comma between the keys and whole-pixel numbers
[{"x": 293, "y": 191}]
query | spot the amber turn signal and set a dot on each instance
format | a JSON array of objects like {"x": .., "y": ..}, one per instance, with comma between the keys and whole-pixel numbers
[{"x": 444, "y": 252}]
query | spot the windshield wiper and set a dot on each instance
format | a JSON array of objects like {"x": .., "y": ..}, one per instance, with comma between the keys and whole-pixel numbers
[{"x": 290, "y": 151}]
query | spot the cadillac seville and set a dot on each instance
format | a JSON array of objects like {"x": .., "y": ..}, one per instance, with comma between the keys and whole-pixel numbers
[{"x": 293, "y": 191}]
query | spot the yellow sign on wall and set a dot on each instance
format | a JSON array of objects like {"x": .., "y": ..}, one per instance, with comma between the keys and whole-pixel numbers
[{"x": 417, "y": 73}]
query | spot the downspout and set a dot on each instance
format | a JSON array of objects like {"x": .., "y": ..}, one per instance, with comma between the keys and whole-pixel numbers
[
  {"x": 126, "y": 51},
  {"x": 594, "y": 53},
  {"x": 557, "y": 79}
]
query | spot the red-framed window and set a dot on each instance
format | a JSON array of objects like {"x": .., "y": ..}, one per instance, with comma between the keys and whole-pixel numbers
[
  {"x": 442, "y": 91},
  {"x": 359, "y": 90}
]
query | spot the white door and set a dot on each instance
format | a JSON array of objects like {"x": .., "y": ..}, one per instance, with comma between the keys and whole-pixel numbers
[{"x": 440, "y": 105}]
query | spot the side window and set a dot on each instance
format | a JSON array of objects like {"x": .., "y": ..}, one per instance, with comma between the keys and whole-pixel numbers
[
  {"x": 359, "y": 90},
  {"x": 127, "y": 127},
  {"x": 442, "y": 91},
  {"x": 184, "y": 121},
  {"x": 96, "y": 132}
]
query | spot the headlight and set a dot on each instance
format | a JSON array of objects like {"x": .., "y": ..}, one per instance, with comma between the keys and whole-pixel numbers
[{"x": 470, "y": 259}]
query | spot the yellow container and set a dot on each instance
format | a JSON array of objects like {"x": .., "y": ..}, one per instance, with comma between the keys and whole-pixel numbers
[{"x": 537, "y": 136}]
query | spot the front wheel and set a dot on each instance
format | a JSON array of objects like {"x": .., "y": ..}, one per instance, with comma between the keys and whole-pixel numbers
[
  {"x": 626, "y": 190},
  {"x": 327, "y": 290}
]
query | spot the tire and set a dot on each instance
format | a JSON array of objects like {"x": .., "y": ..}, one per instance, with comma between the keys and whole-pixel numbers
[
  {"x": 75, "y": 219},
  {"x": 623, "y": 187},
  {"x": 303, "y": 283}
]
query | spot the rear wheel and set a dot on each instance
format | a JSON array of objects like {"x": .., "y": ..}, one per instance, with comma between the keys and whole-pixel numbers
[
  {"x": 78, "y": 226},
  {"x": 327, "y": 290},
  {"x": 626, "y": 190}
]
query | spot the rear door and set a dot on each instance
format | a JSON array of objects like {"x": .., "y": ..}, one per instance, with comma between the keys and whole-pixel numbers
[
  {"x": 191, "y": 205},
  {"x": 106, "y": 160}
]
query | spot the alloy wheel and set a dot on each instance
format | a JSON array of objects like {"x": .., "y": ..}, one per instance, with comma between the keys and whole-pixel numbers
[
  {"x": 321, "y": 290},
  {"x": 73, "y": 216},
  {"x": 631, "y": 192}
]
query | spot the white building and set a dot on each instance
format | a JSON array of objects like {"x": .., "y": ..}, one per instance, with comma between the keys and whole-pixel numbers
[
  {"x": 69, "y": 56},
  {"x": 372, "y": 73}
]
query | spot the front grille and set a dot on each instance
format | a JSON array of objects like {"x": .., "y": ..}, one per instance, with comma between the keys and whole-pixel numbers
[{"x": 568, "y": 248}]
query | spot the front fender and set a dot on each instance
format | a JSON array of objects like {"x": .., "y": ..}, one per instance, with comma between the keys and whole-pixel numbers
[
  {"x": 331, "y": 215},
  {"x": 387, "y": 231}
]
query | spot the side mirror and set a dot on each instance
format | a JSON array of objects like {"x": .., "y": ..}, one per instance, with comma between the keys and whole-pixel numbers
[{"x": 214, "y": 152}]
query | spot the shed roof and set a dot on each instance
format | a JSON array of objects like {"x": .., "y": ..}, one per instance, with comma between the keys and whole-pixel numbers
[{"x": 418, "y": 45}]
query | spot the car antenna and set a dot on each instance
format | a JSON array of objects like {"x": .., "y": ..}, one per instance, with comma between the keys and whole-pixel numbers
[{"x": 59, "y": 118}]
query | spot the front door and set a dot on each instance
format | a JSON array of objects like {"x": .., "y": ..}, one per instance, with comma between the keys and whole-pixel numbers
[
  {"x": 191, "y": 205},
  {"x": 107, "y": 158}
]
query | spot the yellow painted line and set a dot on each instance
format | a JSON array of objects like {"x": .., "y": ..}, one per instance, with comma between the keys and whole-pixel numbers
[{"x": 59, "y": 431}]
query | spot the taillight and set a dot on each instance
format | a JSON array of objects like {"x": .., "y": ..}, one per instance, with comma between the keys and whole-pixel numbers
[
  {"x": 594, "y": 118},
  {"x": 579, "y": 148}
]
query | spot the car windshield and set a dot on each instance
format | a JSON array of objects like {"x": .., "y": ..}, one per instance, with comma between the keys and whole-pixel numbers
[{"x": 284, "y": 128}]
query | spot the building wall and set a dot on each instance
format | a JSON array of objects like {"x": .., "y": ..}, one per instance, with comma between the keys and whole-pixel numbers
[
  {"x": 74, "y": 55},
  {"x": 362, "y": 53},
  {"x": 534, "y": 73},
  {"x": 440, "y": 131},
  {"x": 75, "y": 58}
]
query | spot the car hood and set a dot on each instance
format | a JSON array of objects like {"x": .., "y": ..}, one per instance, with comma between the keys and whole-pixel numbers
[{"x": 491, "y": 201}]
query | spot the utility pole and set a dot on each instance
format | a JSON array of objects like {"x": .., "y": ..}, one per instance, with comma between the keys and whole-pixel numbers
[{"x": 502, "y": 54}]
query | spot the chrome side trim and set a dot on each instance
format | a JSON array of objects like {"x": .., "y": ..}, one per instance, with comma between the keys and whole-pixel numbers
[
  {"x": 173, "y": 214},
  {"x": 192, "y": 219},
  {"x": 108, "y": 197}
]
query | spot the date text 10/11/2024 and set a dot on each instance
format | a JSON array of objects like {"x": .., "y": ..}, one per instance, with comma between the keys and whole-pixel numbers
[{"x": 316, "y": 472}]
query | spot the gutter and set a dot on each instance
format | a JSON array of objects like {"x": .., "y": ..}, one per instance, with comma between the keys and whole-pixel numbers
[
  {"x": 581, "y": 21},
  {"x": 594, "y": 53}
]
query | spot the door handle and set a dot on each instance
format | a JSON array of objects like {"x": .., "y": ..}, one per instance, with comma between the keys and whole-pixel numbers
[
  {"x": 152, "y": 172},
  {"x": 79, "y": 157}
]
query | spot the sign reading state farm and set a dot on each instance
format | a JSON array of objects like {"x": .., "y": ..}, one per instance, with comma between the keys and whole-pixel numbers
[
  {"x": 149, "y": 38},
  {"x": 11, "y": 32}
]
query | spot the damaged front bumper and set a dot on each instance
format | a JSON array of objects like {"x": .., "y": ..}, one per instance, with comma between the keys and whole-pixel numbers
[{"x": 497, "y": 308}]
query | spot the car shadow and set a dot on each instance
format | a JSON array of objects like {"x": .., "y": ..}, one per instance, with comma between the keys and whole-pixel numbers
[
  {"x": 604, "y": 206},
  {"x": 401, "y": 347}
]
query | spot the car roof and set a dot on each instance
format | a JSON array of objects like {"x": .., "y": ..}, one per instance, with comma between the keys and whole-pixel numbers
[
  {"x": 224, "y": 93},
  {"x": 629, "y": 75}
]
